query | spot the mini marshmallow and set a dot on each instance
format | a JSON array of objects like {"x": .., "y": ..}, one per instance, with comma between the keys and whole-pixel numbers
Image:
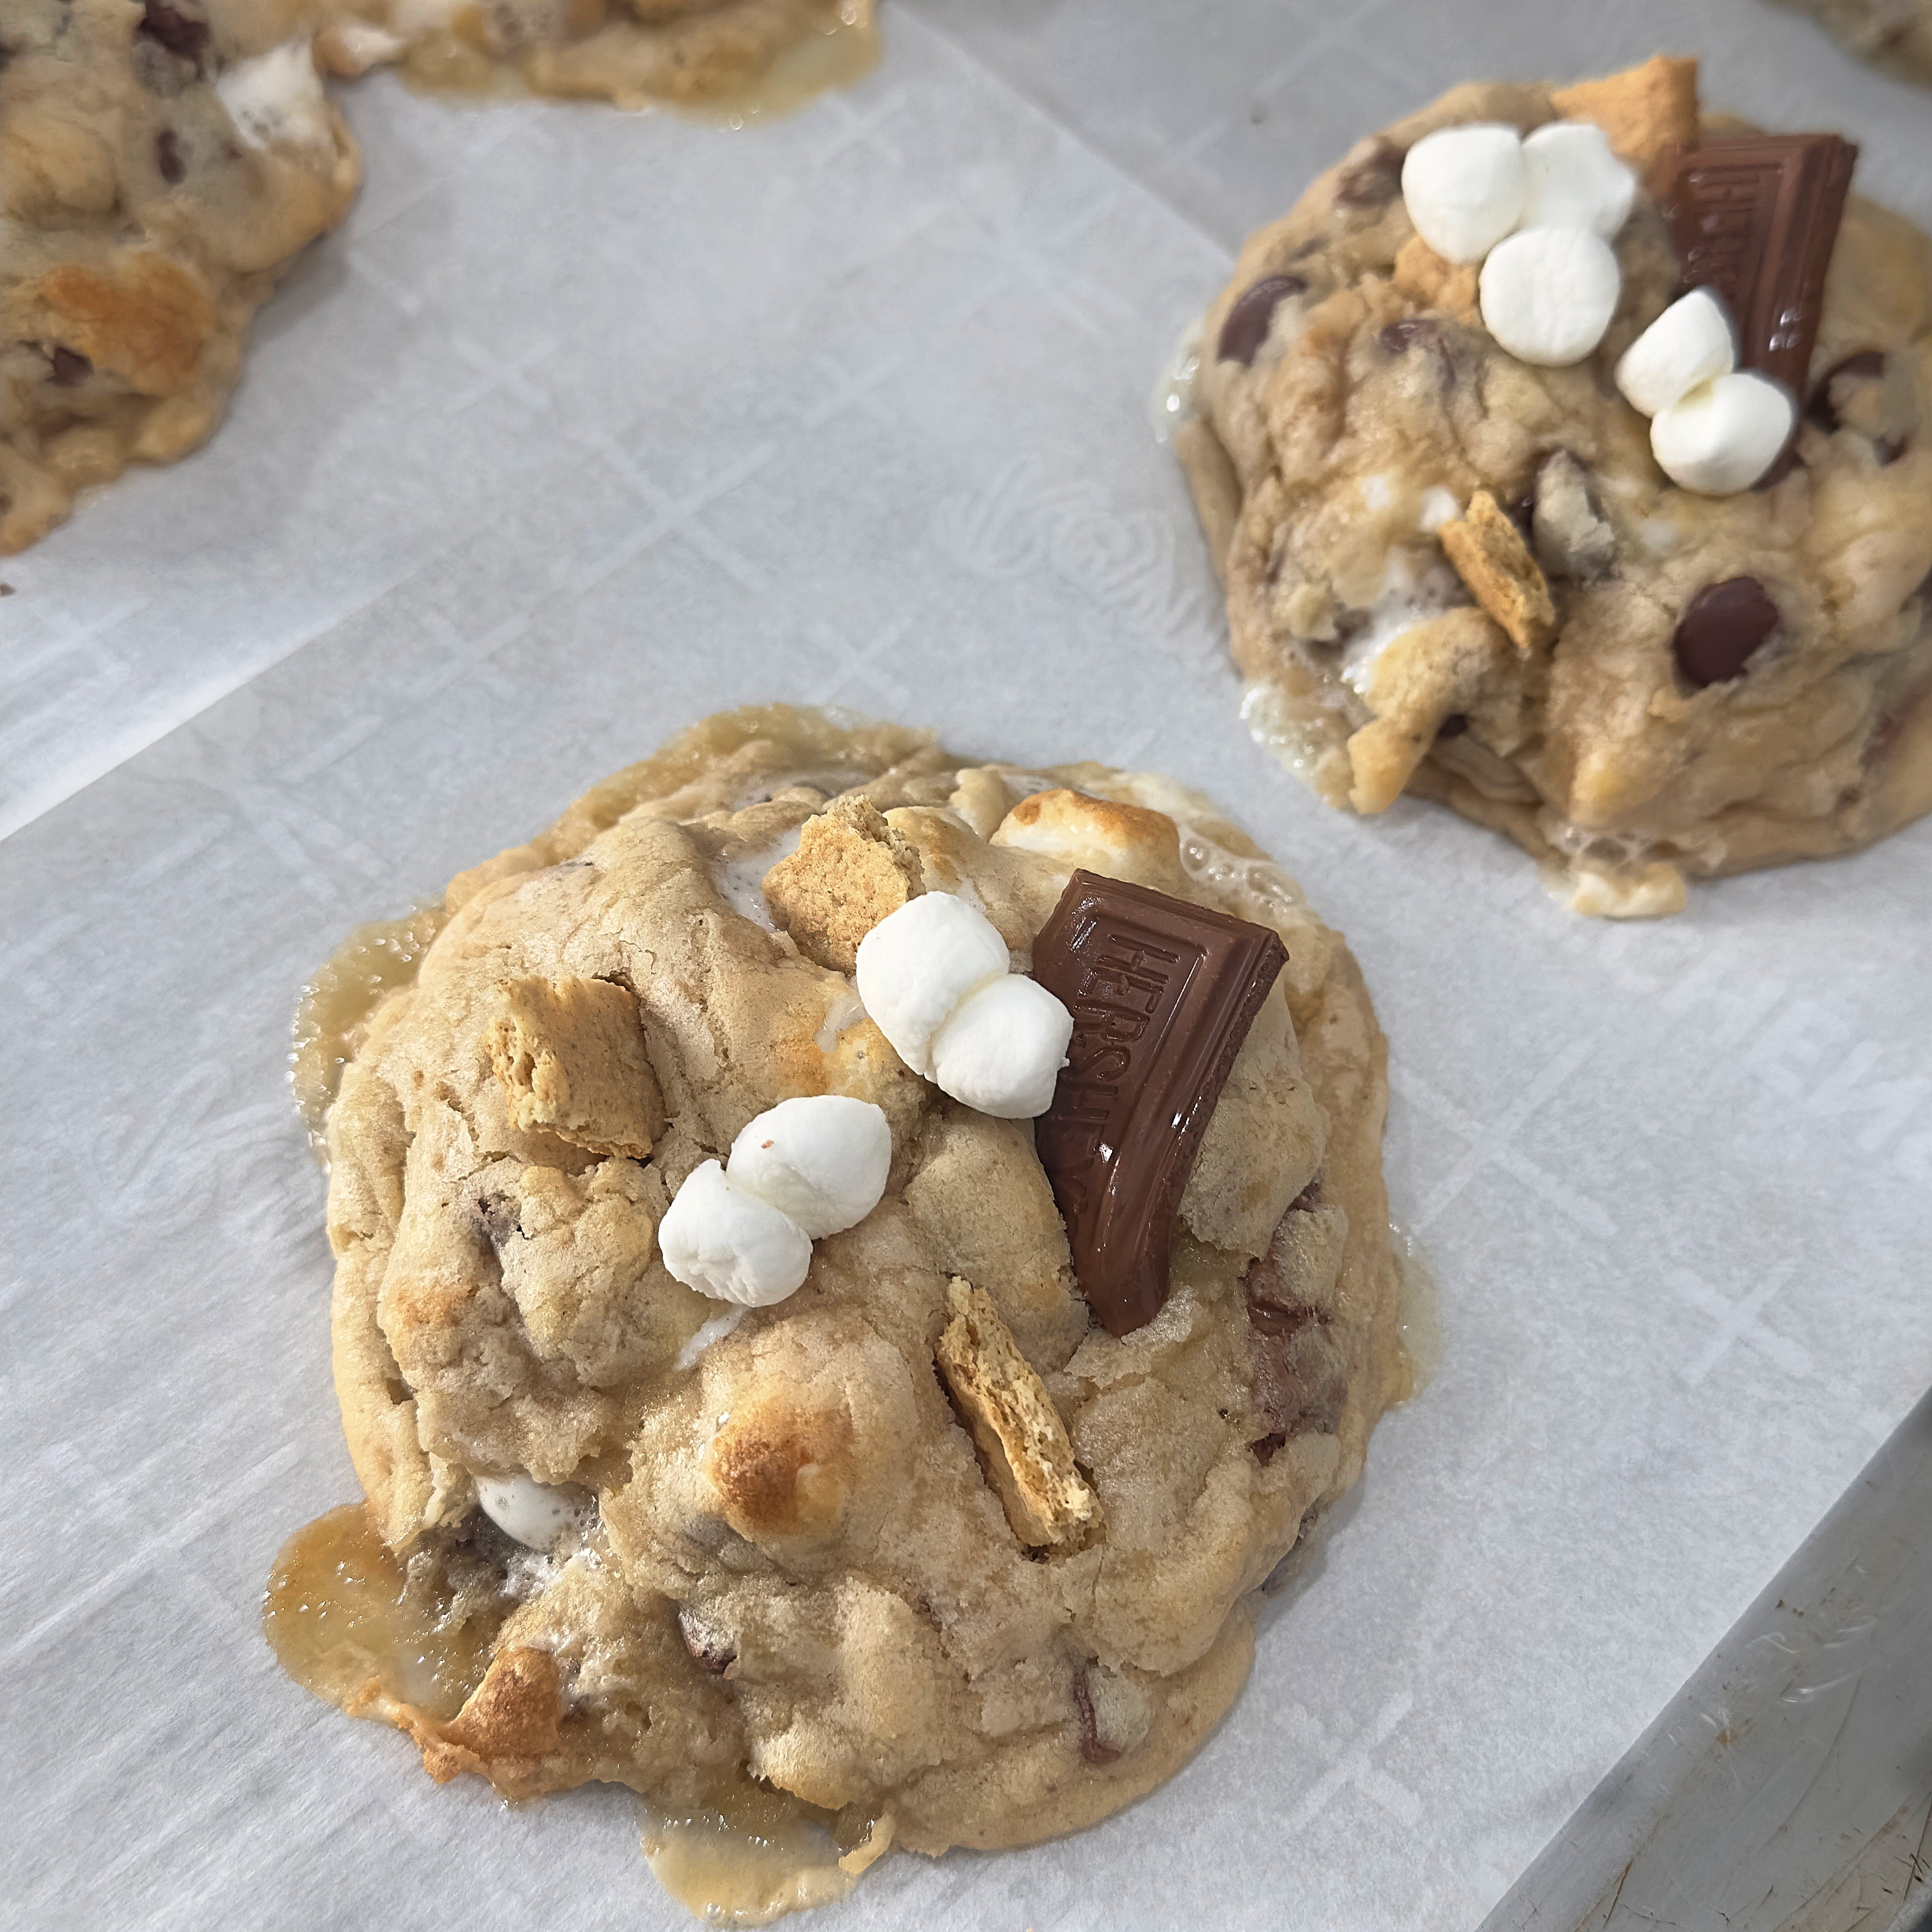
[
  {"x": 1725, "y": 434},
  {"x": 277, "y": 96},
  {"x": 822, "y": 1160},
  {"x": 1465, "y": 188},
  {"x": 1548, "y": 294},
  {"x": 522, "y": 1508},
  {"x": 723, "y": 1241},
  {"x": 1689, "y": 343},
  {"x": 1575, "y": 181},
  {"x": 1002, "y": 1050},
  {"x": 918, "y": 962}
]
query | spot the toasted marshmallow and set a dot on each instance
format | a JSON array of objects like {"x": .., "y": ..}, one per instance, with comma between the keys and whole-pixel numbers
[
  {"x": 1575, "y": 181},
  {"x": 1725, "y": 434},
  {"x": 1689, "y": 343},
  {"x": 726, "y": 1243},
  {"x": 523, "y": 1508},
  {"x": 918, "y": 963},
  {"x": 1465, "y": 188},
  {"x": 1548, "y": 294},
  {"x": 1101, "y": 835},
  {"x": 1002, "y": 1050},
  {"x": 822, "y": 1160}
]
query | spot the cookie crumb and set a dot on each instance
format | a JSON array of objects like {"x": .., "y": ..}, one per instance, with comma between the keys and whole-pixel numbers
[
  {"x": 1649, "y": 111},
  {"x": 1021, "y": 1439},
  {"x": 570, "y": 1054},
  {"x": 1491, "y": 557},
  {"x": 850, "y": 870}
]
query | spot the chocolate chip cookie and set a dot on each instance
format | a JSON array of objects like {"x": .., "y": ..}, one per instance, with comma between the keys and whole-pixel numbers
[
  {"x": 1463, "y": 574},
  {"x": 631, "y": 52},
  {"x": 932, "y": 1550},
  {"x": 1897, "y": 34},
  {"x": 160, "y": 166}
]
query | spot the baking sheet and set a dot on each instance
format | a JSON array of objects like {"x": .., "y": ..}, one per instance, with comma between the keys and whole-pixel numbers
[{"x": 587, "y": 424}]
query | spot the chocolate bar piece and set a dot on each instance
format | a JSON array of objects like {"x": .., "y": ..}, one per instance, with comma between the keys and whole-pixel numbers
[
  {"x": 1162, "y": 994},
  {"x": 1756, "y": 218}
]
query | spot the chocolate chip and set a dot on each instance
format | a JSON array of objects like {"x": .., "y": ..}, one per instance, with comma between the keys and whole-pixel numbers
[
  {"x": 6, "y": 590},
  {"x": 1454, "y": 726},
  {"x": 1399, "y": 336},
  {"x": 1372, "y": 178},
  {"x": 1720, "y": 628},
  {"x": 1865, "y": 365},
  {"x": 183, "y": 33},
  {"x": 708, "y": 1650},
  {"x": 493, "y": 1216},
  {"x": 1424, "y": 332},
  {"x": 1247, "y": 327},
  {"x": 1521, "y": 510},
  {"x": 1094, "y": 1748},
  {"x": 1887, "y": 450},
  {"x": 71, "y": 368},
  {"x": 168, "y": 157}
]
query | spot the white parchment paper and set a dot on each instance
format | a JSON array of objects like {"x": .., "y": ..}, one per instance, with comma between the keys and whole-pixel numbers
[{"x": 587, "y": 424}]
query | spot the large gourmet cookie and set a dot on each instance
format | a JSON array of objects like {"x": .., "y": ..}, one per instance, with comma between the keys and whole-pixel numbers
[
  {"x": 742, "y": 1411},
  {"x": 1895, "y": 33},
  {"x": 1638, "y": 578},
  {"x": 160, "y": 165},
  {"x": 761, "y": 53}
]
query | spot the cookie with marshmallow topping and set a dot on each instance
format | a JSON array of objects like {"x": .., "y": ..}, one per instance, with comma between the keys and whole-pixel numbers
[
  {"x": 753, "y": 1427},
  {"x": 1474, "y": 327}
]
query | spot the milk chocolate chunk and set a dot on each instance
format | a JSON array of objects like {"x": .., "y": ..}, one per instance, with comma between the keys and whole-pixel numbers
[
  {"x": 1755, "y": 218},
  {"x": 1162, "y": 994}
]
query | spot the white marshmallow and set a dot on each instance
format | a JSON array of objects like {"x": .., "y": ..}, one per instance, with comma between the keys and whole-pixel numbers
[
  {"x": 1003, "y": 1048},
  {"x": 723, "y": 1241},
  {"x": 1575, "y": 181},
  {"x": 522, "y": 1508},
  {"x": 277, "y": 96},
  {"x": 1725, "y": 434},
  {"x": 1465, "y": 188},
  {"x": 1548, "y": 294},
  {"x": 822, "y": 1160},
  {"x": 1689, "y": 342},
  {"x": 918, "y": 963}
]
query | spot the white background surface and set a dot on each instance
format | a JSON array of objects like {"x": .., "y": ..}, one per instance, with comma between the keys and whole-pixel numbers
[{"x": 587, "y": 424}]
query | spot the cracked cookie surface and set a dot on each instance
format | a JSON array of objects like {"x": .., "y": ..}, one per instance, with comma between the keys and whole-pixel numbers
[
  {"x": 1450, "y": 572},
  {"x": 922, "y": 1547}
]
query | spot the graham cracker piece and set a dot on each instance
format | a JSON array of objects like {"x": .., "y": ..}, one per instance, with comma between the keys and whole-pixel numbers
[
  {"x": 1649, "y": 112},
  {"x": 512, "y": 1713},
  {"x": 1022, "y": 1442},
  {"x": 571, "y": 1056},
  {"x": 1458, "y": 664},
  {"x": 850, "y": 870},
  {"x": 1492, "y": 558},
  {"x": 1433, "y": 281}
]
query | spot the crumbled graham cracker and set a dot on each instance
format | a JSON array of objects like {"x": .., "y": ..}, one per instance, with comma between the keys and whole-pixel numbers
[
  {"x": 1491, "y": 557},
  {"x": 1022, "y": 1440},
  {"x": 571, "y": 1056},
  {"x": 1649, "y": 112},
  {"x": 512, "y": 1713},
  {"x": 1458, "y": 664},
  {"x": 850, "y": 870},
  {"x": 1433, "y": 281}
]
